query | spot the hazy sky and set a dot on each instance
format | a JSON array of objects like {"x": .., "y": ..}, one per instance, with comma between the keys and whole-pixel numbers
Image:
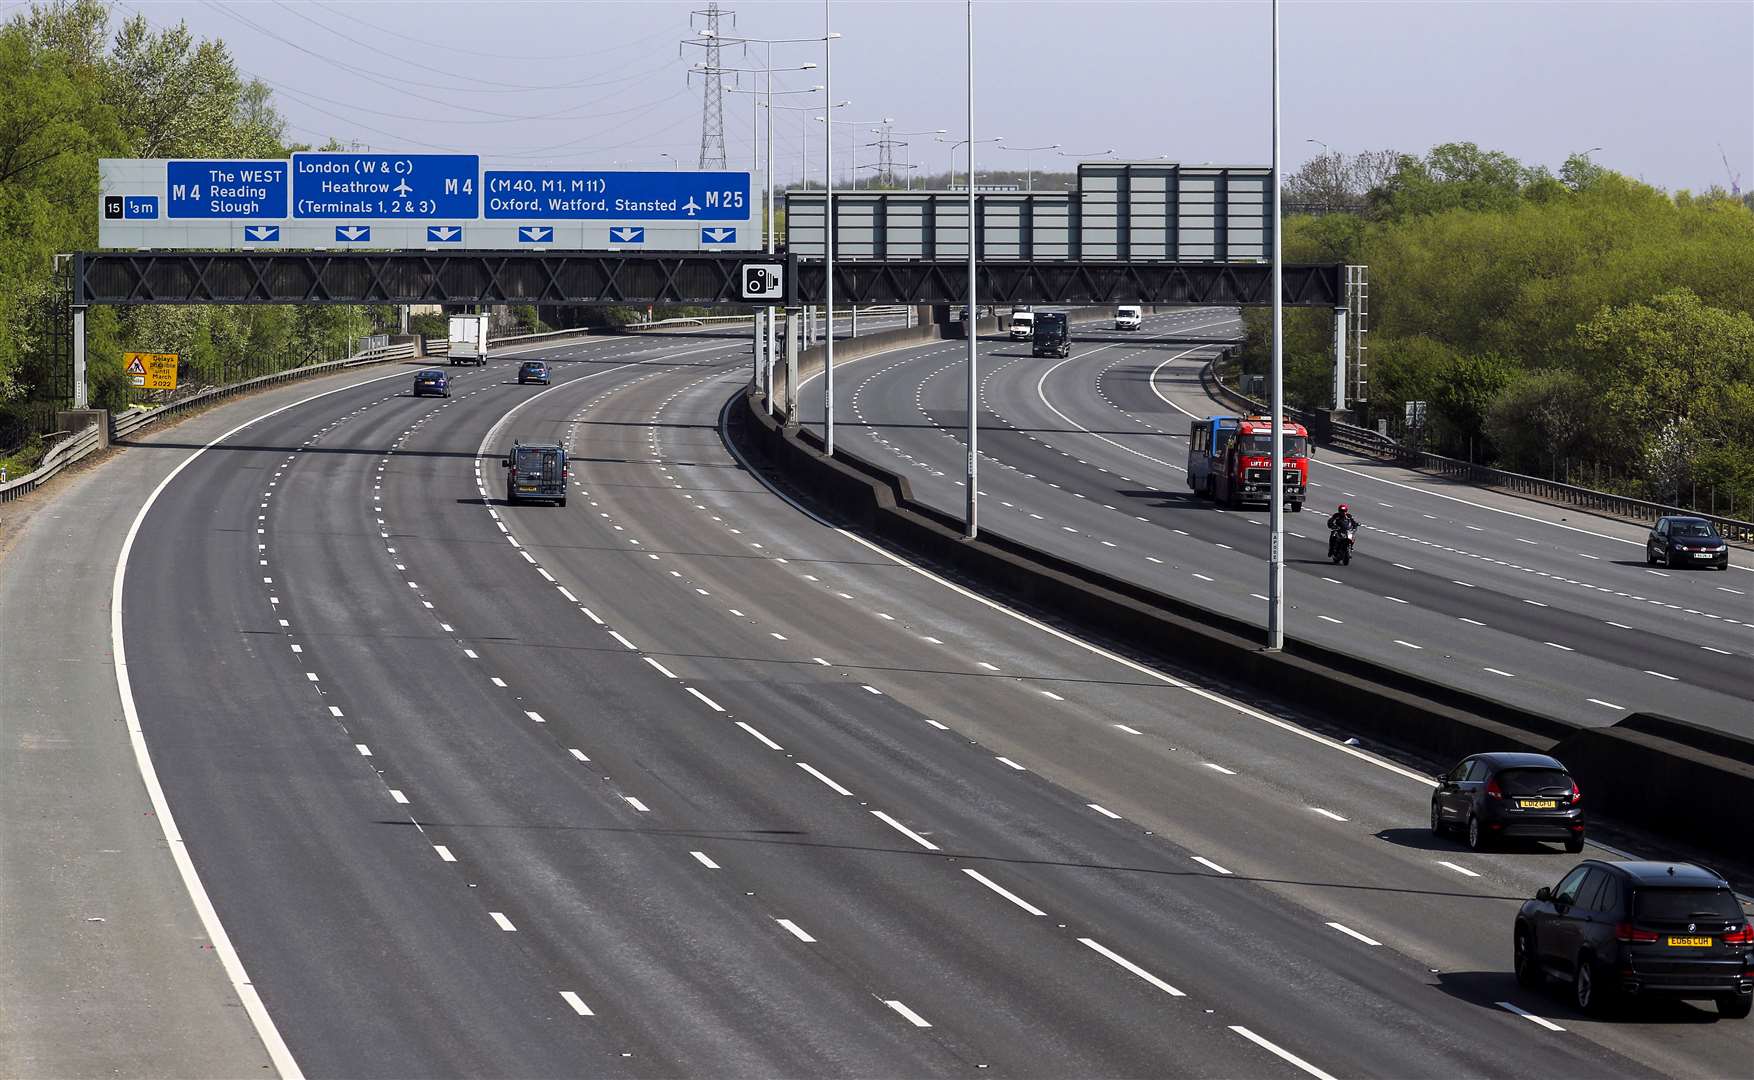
[{"x": 1657, "y": 85}]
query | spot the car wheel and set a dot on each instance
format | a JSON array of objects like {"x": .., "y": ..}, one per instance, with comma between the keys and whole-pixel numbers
[
  {"x": 1734, "y": 1006},
  {"x": 1437, "y": 827},
  {"x": 1297, "y": 508},
  {"x": 1574, "y": 843},
  {"x": 1528, "y": 969},
  {"x": 1590, "y": 996},
  {"x": 1650, "y": 555},
  {"x": 1476, "y": 838}
]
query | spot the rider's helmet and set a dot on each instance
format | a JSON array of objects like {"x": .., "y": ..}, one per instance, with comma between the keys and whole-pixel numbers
[{"x": 1343, "y": 508}]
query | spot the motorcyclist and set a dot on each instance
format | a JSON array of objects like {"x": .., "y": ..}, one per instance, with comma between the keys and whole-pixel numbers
[{"x": 1340, "y": 522}]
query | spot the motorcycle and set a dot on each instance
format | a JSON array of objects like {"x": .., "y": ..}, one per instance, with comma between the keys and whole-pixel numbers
[{"x": 1341, "y": 542}]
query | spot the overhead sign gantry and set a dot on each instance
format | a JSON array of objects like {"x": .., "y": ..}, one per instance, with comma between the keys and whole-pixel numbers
[{"x": 412, "y": 202}]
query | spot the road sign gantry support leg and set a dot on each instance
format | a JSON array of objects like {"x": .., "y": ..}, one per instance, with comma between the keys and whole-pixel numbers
[{"x": 81, "y": 397}]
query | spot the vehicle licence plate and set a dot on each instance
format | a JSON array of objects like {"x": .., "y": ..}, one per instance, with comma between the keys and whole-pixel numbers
[
  {"x": 1689, "y": 943},
  {"x": 1537, "y": 804},
  {"x": 1703, "y": 555},
  {"x": 526, "y": 487}
]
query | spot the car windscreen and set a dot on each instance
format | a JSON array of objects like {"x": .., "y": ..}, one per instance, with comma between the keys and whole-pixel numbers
[
  {"x": 1534, "y": 782},
  {"x": 1692, "y": 528},
  {"x": 1685, "y": 905}
]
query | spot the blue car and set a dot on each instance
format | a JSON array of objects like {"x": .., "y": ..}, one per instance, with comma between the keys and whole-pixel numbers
[{"x": 432, "y": 381}]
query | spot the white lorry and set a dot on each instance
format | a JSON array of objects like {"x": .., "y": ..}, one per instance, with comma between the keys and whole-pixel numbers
[
  {"x": 1022, "y": 325},
  {"x": 468, "y": 339},
  {"x": 1128, "y": 317}
]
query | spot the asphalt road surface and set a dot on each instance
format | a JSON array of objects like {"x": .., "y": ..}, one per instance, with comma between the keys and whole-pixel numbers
[
  {"x": 1543, "y": 607},
  {"x": 678, "y": 780}
]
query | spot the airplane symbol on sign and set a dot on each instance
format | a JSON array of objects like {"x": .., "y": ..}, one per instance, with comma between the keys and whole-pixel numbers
[
  {"x": 402, "y": 188},
  {"x": 691, "y": 206}
]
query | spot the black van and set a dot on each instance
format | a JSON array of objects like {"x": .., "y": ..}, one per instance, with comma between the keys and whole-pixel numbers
[
  {"x": 536, "y": 472},
  {"x": 1052, "y": 336}
]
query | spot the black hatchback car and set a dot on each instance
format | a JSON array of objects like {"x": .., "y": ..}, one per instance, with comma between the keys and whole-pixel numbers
[
  {"x": 432, "y": 381},
  {"x": 1686, "y": 541},
  {"x": 1489, "y": 796},
  {"x": 533, "y": 371},
  {"x": 1638, "y": 929}
]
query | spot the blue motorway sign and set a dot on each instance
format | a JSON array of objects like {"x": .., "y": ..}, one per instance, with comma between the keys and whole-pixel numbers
[
  {"x": 328, "y": 185},
  {"x": 262, "y": 234},
  {"x": 640, "y": 196},
  {"x": 444, "y": 234},
  {"x": 140, "y": 206},
  {"x": 225, "y": 189},
  {"x": 353, "y": 234},
  {"x": 627, "y": 235},
  {"x": 723, "y": 234},
  {"x": 535, "y": 234}
]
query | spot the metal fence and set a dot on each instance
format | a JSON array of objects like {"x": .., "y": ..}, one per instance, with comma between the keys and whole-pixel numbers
[{"x": 1365, "y": 441}]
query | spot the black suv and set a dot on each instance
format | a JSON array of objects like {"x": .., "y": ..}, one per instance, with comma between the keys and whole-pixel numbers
[
  {"x": 1489, "y": 796},
  {"x": 1639, "y": 929},
  {"x": 533, "y": 371},
  {"x": 1686, "y": 541}
]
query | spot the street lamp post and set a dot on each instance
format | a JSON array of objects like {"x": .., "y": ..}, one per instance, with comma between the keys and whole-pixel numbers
[
  {"x": 961, "y": 142},
  {"x": 971, "y": 522},
  {"x": 828, "y": 227},
  {"x": 672, "y": 158},
  {"x": 1029, "y": 161},
  {"x": 1276, "y": 556}
]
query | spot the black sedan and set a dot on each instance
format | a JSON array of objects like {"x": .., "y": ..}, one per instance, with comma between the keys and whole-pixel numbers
[
  {"x": 533, "y": 371},
  {"x": 1490, "y": 796},
  {"x": 1686, "y": 541},
  {"x": 432, "y": 381},
  {"x": 1626, "y": 930}
]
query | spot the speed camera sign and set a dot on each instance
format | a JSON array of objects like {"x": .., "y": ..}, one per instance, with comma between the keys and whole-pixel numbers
[{"x": 763, "y": 281}]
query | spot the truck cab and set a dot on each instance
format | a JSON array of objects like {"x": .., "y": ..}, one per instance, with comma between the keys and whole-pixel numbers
[
  {"x": 536, "y": 472},
  {"x": 1230, "y": 460},
  {"x": 1129, "y": 317},
  {"x": 1052, "y": 336},
  {"x": 1022, "y": 325}
]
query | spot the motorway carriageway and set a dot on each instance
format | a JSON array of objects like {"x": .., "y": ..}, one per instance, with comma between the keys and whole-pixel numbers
[
  {"x": 678, "y": 780},
  {"x": 1542, "y": 607}
]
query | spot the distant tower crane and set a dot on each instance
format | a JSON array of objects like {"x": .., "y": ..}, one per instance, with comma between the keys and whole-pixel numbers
[{"x": 1735, "y": 177}]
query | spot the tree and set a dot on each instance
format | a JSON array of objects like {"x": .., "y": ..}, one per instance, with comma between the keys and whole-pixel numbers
[{"x": 1450, "y": 176}]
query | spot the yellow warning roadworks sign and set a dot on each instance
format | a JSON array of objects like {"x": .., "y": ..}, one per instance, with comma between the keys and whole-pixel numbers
[{"x": 151, "y": 371}]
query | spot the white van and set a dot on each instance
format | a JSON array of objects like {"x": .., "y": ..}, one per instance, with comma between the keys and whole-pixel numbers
[
  {"x": 1128, "y": 317},
  {"x": 1022, "y": 325}
]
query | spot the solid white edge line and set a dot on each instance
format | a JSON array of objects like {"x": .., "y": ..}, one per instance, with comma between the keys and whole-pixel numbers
[
  {"x": 1002, "y": 891},
  {"x": 1280, "y": 1052},
  {"x": 278, "y": 1052},
  {"x": 904, "y": 830},
  {"x": 1132, "y": 967}
]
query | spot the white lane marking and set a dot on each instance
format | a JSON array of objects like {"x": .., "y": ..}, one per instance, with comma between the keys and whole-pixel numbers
[
  {"x": 577, "y": 1003},
  {"x": 1051, "y": 694},
  {"x": 1333, "y": 580},
  {"x": 1476, "y": 528},
  {"x": 398, "y": 796},
  {"x": 984, "y": 664},
  {"x": 1002, "y": 891},
  {"x": 1464, "y": 584},
  {"x": 1327, "y": 813},
  {"x": 1535, "y": 603},
  {"x": 1103, "y": 810},
  {"x": 1603, "y": 704},
  {"x": 824, "y": 777},
  {"x": 1132, "y": 967},
  {"x": 765, "y": 741},
  {"x": 936, "y": 724},
  {"x": 312, "y": 676},
  {"x": 616, "y": 634},
  {"x": 1498, "y": 671},
  {"x": 496, "y": 680},
  {"x": 871, "y": 689},
  {"x": 904, "y": 830},
  {"x": 569, "y": 596},
  {"x": 1541, "y": 1021},
  {"x": 1726, "y": 588},
  {"x": 776, "y": 636},
  {"x": 1720, "y": 652},
  {"x": 536, "y": 716},
  {"x": 1396, "y": 599},
  {"x": 591, "y": 615},
  {"x": 1660, "y": 675},
  {"x": 1128, "y": 730},
  {"x": 577, "y": 753},
  {"x": 1471, "y": 622},
  {"x": 710, "y": 703},
  {"x": 1402, "y": 566},
  {"x": 1349, "y": 932},
  {"x": 821, "y": 661},
  {"x": 471, "y": 654},
  {"x": 1329, "y": 618},
  {"x": 335, "y": 710},
  {"x": 1219, "y": 768},
  {"x": 1210, "y": 865},
  {"x": 1556, "y": 645},
  {"x": 1462, "y": 870},
  {"x": 1520, "y": 540},
  {"x": 364, "y": 750},
  {"x": 1280, "y": 1052},
  {"x": 1618, "y": 625},
  {"x": 701, "y": 858},
  {"x": 796, "y": 931},
  {"x": 913, "y": 1018},
  {"x": 1201, "y": 576},
  {"x": 1013, "y": 764},
  {"x": 1408, "y": 644},
  {"x": 737, "y": 613},
  {"x": 1597, "y": 558},
  {"x": 637, "y": 805},
  {"x": 503, "y": 922},
  {"x": 444, "y": 853}
]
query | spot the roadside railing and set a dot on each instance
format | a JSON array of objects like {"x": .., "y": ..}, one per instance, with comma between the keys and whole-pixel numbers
[
  {"x": 70, "y": 449},
  {"x": 1365, "y": 441}
]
